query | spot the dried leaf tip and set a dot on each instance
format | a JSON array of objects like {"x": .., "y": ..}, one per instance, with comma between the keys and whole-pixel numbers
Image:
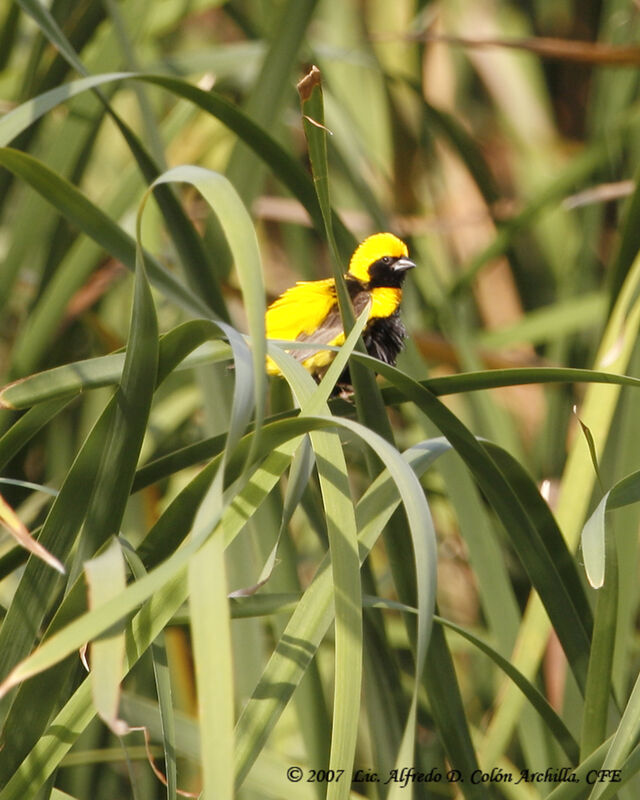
[
  {"x": 4, "y": 403},
  {"x": 307, "y": 84}
]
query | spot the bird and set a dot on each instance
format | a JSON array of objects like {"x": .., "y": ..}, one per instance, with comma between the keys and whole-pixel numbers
[{"x": 309, "y": 311}]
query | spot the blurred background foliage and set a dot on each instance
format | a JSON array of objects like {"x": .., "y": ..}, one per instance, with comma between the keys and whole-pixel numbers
[{"x": 500, "y": 140}]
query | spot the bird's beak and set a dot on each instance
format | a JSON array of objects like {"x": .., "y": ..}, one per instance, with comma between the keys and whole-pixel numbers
[{"x": 403, "y": 264}]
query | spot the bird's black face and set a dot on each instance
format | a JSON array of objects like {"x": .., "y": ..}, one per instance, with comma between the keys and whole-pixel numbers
[{"x": 389, "y": 271}]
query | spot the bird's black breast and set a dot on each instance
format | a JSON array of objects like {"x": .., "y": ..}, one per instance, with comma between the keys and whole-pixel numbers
[{"x": 384, "y": 338}]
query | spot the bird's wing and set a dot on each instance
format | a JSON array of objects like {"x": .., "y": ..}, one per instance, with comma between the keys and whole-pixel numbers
[
  {"x": 308, "y": 312},
  {"x": 300, "y": 310},
  {"x": 330, "y": 331}
]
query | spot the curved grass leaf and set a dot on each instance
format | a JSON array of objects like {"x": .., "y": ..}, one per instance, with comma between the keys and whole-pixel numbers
[
  {"x": 62, "y": 383},
  {"x": 625, "y": 492},
  {"x": 154, "y": 550},
  {"x": 73, "y": 718},
  {"x": 516, "y": 376},
  {"x": 132, "y": 406},
  {"x": 19, "y": 119},
  {"x": 106, "y": 370},
  {"x": 37, "y": 587},
  {"x": 94, "y": 623},
  {"x": 516, "y": 519},
  {"x": 207, "y": 574},
  {"x": 250, "y": 389},
  {"x": 279, "y": 161}
]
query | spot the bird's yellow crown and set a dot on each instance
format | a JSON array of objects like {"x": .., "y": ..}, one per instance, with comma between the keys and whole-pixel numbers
[{"x": 373, "y": 248}]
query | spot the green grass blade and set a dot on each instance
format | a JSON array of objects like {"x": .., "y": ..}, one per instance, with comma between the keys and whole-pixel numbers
[
  {"x": 551, "y": 719},
  {"x": 368, "y": 400},
  {"x": 69, "y": 723},
  {"x": 593, "y": 542},
  {"x": 517, "y": 376},
  {"x": 132, "y": 406},
  {"x": 516, "y": 519},
  {"x": 93, "y": 623},
  {"x": 240, "y": 233},
  {"x": 577, "y": 485},
  {"x": 95, "y": 224},
  {"x": 176, "y": 348},
  {"x": 103, "y": 486},
  {"x": 624, "y": 739},
  {"x": 163, "y": 688},
  {"x": 598, "y": 689},
  {"x": 445, "y": 703},
  {"x": 19, "y": 119},
  {"x": 106, "y": 371},
  {"x": 22, "y": 431},
  {"x": 313, "y": 615},
  {"x": 265, "y": 100},
  {"x": 370, "y": 408},
  {"x": 195, "y": 257},
  {"x": 345, "y": 565},
  {"x": 594, "y": 536},
  {"x": 280, "y": 161},
  {"x": 58, "y": 535},
  {"x": 211, "y": 632},
  {"x": 106, "y": 578}
]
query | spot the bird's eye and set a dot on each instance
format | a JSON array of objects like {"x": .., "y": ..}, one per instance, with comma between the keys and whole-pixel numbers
[{"x": 386, "y": 260}]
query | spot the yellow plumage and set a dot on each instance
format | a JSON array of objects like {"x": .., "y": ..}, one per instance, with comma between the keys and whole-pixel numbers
[
  {"x": 299, "y": 312},
  {"x": 308, "y": 311},
  {"x": 300, "y": 309}
]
